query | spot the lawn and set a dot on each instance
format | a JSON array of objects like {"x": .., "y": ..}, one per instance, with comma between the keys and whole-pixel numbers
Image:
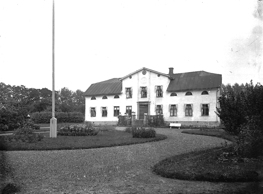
[
  {"x": 215, "y": 165},
  {"x": 103, "y": 139}
]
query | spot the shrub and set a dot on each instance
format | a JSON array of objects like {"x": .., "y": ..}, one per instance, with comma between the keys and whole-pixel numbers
[
  {"x": 141, "y": 132},
  {"x": 25, "y": 134},
  {"x": 249, "y": 142},
  {"x": 78, "y": 130},
  {"x": 62, "y": 117}
]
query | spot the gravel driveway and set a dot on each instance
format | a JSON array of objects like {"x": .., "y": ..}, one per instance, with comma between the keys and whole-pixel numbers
[{"x": 124, "y": 169}]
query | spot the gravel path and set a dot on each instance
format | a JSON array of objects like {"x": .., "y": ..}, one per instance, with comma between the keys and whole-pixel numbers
[{"x": 124, "y": 169}]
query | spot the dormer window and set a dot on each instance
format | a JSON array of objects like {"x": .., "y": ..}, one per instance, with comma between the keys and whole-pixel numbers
[
  {"x": 173, "y": 94},
  {"x": 143, "y": 92},
  {"x": 93, "y": 98},
  {"x": 204, "y": 93},
  {"x": 128, "y": 92},
  {"x": 116, "y": 96},
  {"x": 104, "y": 97},
  {"x": 159, "y": 91},
  {"x": 188, "y": 94}
]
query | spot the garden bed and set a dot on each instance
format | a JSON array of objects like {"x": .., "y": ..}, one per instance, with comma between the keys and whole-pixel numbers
[
  {"x": 103, "y": 139},
  {"x": 215, "y": 165},
  {"x": 207, "y": 165}
]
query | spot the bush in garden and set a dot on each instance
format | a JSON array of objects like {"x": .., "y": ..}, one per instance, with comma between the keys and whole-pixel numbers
[
  {"x": 249, "y": 142},
  {"x": 142, "y": 132},
  {"x": 62, "y": 117},
  {"x": 78, "y": 130},
  {"x": 25, "y": 134}
]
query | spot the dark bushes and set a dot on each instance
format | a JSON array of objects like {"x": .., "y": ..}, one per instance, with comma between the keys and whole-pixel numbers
[
  {"x": 78, "y": 130},
  {"x": 141, "y": 132},
  {"x": 62, "y": 117},
  {"x": 25, "y": 134}
]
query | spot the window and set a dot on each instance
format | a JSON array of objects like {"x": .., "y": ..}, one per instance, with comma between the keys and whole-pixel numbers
[
  {"x": 173, "y": 94},
  {"x": 104, "y": 97},
  {"x": 143, "y": 92},
  {"x": 204, "y": 93},
  {"x": 159, "y": 109},
  {"x": 159, "y": 91},
  {"x": 92, "y": 112},
  {"x": 104, "y": 111},
  {"x": 129, "y": 110},
  {"x": 189, "y": 110},
  {"x": 116, "y": 111},
  {"x": 188, "y": 94},
  {"x": 128, "y": 92},
  {"x": 205, "y": 109},
  {"x": 173, "y": 110},
  {"x": 93, "y": 98},
  {"x": 116, "y": 96}
]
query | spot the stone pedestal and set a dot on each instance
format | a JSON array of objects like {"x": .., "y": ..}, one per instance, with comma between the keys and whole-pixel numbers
[
  {"x": 53, "y": 127},
  {"x": 133, "y": 119}
]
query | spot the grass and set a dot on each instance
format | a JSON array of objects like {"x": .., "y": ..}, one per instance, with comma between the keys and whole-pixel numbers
[
  {"x": 215, "y": 165},
  {"x": 105, "y": 138}
]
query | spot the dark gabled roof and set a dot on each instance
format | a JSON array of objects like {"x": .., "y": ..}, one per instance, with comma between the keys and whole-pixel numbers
[
  {"x": 144, "y": 68},
  {"x": 197, "y": 80},
  {"x": 108, "y": 87}
]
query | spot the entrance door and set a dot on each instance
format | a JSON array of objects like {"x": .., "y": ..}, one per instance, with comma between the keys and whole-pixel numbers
[{"x": 143, "y": 108}]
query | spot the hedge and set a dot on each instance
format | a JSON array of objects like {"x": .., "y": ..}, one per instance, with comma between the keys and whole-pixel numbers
[{"x": 62, "y": 117}]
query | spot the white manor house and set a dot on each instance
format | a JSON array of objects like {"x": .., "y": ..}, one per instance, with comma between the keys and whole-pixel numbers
[{"x": 188, "y": 98}]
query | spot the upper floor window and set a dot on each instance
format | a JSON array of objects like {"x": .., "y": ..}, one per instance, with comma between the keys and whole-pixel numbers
[
  {"x": 205, "y": 109},
  {"x": 92, "y": 112},
  {"x": 116, "y": 96},
  {"x": 116, "y": 111},
  {"x": 93, "y": 98},
  {"x": 188, "y": 94},
  {"x": 143, "y": 92},
  {"x": 129, "y": 110},
  {"x": 173, "y": 110},
  {"x": 173, "y": 94},
  {"x": 188, "y": 110},
  {"x": 159, "y": 91},
  {"x": 104, "y": 111},
  {"x": 104, "y": 97},
  {"x": 159, "y": 109},
  {"x": 128, "y": 92},
  {"x": 204, "y": 93}
]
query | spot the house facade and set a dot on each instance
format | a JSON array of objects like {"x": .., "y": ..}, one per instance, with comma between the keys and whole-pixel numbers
[{"x": 188, "y": 98}]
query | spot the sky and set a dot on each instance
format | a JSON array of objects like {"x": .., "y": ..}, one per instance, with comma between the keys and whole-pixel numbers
[{"x": 96, "y": 40}]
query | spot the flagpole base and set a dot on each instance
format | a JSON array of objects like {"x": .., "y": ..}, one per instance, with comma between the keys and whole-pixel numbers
[{"x": 53, "y": 127}]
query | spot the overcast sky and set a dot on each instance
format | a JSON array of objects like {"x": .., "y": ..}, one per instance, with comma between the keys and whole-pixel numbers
[{"x": 96, "y": 40}]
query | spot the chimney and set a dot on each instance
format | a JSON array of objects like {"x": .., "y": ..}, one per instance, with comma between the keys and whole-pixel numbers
[{"x": 171, "y": 71}]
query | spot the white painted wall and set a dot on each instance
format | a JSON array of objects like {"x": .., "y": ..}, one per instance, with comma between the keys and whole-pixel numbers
[{"x": 150, "y": 80}]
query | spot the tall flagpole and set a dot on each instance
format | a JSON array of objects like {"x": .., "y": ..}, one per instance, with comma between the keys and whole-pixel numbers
[{"x": 53, "y": 120}]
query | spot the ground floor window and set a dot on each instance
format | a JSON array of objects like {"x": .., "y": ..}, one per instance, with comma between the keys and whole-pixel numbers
[
  {"x": 159, "y": 109},
  {"x": 92, "y": 112},
  {"x": 104, "y": 112},
  {"x": 129, "y": 110},
  {"x": 116, "y": 111},
  {"x": 205, "y": 109},
  {"x": 188, "y": 110},
  {"x": 173, "y": 110}
]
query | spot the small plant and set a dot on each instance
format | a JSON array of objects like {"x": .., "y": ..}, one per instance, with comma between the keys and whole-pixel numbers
[
  {"x": 78, "y": 130},
  {"x": 142, "y": 132},
  {"x": 25, "y": 134}
]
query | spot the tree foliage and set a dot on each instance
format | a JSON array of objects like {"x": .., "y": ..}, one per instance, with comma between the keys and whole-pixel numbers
[
  {"x": 17, "y": 102},
  {"x": 239, "y": 104}
]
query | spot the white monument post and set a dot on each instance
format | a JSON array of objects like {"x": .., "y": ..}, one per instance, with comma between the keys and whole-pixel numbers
[{"x": 53, "y": 120}]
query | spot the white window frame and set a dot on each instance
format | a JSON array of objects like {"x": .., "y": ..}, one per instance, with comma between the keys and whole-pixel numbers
[{"x": 175, "y": 110}]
